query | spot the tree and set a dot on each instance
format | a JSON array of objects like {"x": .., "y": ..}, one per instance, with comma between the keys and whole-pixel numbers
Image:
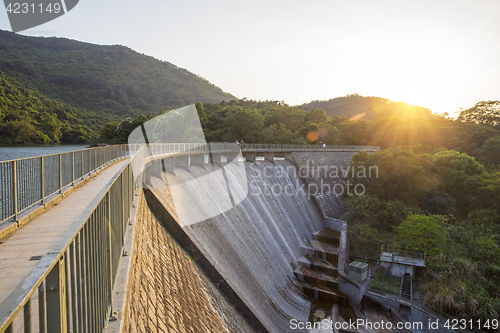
[
  {"x": 108, "y": 132},
  {"x": 422, "y": 233},
  {"x": 201, "y": 113},
  {"x": 486, "y": 249},
  {"x": 316, "y": 116},
  {"x": 484, "y": 113},
  {"x": 243, "y": 125},
  {"x": 51, "y": 127},
  {"x": 328, "y": 134},
  {"x": 21, "y": 131},
  {"x": 490, "y": 151},
  {"x": 454, "y": 168},
  {"x": 400, "y": 173}
]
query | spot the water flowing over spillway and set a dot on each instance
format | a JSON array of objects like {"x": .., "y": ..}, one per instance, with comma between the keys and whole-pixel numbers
[{"x": 256, "y": 244}]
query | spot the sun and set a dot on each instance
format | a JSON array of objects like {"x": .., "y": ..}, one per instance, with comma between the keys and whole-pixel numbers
[{"x": 416, "y": 84}]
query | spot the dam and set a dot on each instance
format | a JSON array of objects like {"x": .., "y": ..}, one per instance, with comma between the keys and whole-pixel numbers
[
  {"x": 266, "y": 247},
  {"x": 246, "y": 269}
]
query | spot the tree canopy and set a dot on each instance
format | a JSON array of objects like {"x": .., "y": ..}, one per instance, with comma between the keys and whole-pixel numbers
[{"x": 484, "y": 113}]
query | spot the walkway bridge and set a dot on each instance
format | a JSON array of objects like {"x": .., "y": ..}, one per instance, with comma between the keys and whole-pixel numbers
[{"x": 59, "y": 267}]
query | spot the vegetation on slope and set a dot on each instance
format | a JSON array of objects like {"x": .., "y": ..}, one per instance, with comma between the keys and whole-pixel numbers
[
  {"x": 102, "y": 83},
  {"x": 27, "y": 117},
  {"x": 442, "y": 202},
  {"x": 368, "y": 108}
]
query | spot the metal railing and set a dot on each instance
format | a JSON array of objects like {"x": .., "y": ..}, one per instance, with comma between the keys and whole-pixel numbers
[
  {"x": 419, "y": 304},
  {"x": 27, "y": 182},
  {"x": 396, "y": 254},
  {"x": 281, "y": 147},
  {"x": 74, "y": 281}
]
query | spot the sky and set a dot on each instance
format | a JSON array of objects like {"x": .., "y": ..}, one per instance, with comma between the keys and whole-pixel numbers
[{"x": 443, "y": 55}]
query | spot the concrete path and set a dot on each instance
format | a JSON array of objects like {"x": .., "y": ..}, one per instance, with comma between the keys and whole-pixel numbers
[{"x": 37, "y": 237}]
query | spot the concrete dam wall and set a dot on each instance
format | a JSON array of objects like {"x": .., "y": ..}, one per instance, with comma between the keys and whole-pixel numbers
[
  {"x": 255, "y": 245},
  {"x": 167, "y": 292},
  {"x": 241, "y": 262},
  {"x": 323, "y": 171}
]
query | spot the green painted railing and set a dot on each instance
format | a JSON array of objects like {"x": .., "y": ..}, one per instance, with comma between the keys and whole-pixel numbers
[
  {"x": 74, "y": 281},
  {"x": 27, "y": 182},
  {"x": 283, "y": 148}
]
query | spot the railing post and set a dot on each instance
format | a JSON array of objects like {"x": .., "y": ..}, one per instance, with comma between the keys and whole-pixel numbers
[
  {"x": 83, "y": 171},
  {"x": 110, "y": 252},
  {"x": 42, "y": 182},
  {"x": 41, "y": 308},
  {"x": 60, "y": 173},
  {"x": 56, "y": 298},
  {"x": 14, "y": 187},
  {"x": 73, "y": 168},
  {"x": 27, "y": 316}
]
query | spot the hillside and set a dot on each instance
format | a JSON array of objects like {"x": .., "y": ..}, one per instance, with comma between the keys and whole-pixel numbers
[
  {"x": 373, "y": 107},
  {"x": 28, "y": 117},
  {"x": 110, "y": 80}
]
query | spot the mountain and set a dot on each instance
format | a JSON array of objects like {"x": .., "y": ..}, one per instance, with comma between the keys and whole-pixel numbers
[
  {"x": 111, "y": 81},
  {"x": 372, "y": 107}
]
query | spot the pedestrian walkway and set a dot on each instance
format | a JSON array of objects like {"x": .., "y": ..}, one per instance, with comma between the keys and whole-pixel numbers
[{"x": 21, "y": 251}]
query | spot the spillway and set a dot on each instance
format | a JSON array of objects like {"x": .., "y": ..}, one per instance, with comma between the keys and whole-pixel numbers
[{"x": 256, "y": 244}]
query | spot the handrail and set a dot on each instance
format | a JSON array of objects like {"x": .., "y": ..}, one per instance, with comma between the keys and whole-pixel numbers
[
  {"x": 418, "y": 304},
  {"x": 75, "y": 278},
  {"x": 285, "y": 147},
  {"x": 27, "y": 182}
]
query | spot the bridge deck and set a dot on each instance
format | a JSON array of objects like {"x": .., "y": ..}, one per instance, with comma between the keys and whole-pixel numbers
[{"x": 39, "y": 236}]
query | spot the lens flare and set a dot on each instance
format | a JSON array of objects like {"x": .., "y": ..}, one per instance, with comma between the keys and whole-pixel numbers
[
  {"x": 312, "y": 136},
  {"x": 357, "y": 116}
]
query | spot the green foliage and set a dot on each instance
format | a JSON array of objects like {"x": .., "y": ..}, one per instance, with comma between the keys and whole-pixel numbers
[
  {"x": 93, "y": 85},
  {"x": 201, "y": 113},
  {"x": 484, "y": 113},
  {"x": 351, "y": 105},
  {"x": 365, "y": 241},
  {"x": 455, "y": 168},
  {"x": 316, "y": 116},
  {"x": 404, "y": 173},
  {"x": 243, "y": 124},
  {"x": 385, "y": 283},
  {"x": 108, "y": 133},
  {"x": 422, "y": 233},
  {"x": 27, "y": 117},
  {"x": 376, "y": 213},
  {"x": 439, "y": 203},
  {"x": 490, "y": 152},
  {"x": 487, "y": 249},
  {"x": 123, "y": 129}
]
